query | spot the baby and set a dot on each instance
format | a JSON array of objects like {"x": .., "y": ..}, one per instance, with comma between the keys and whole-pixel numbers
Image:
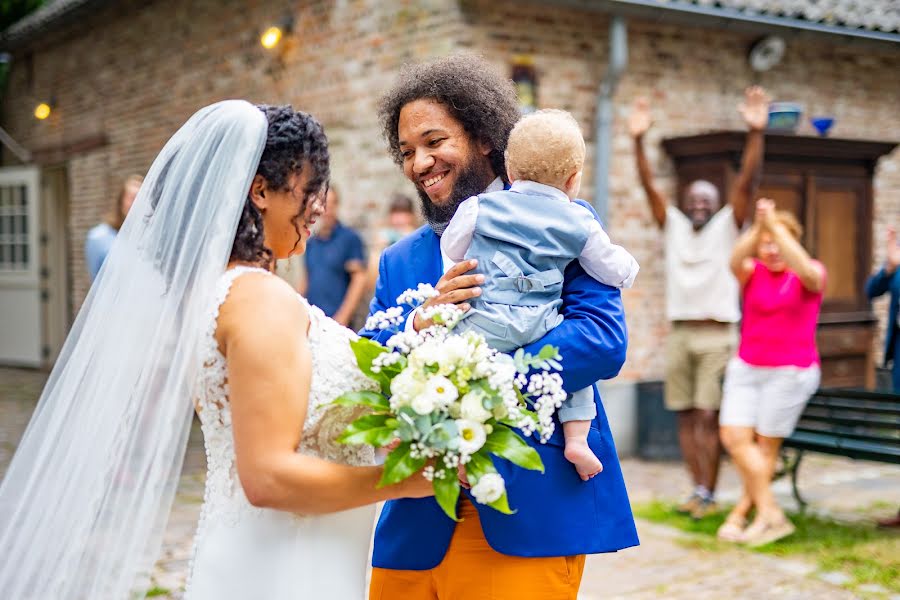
[{"x": 524, "y": 238}]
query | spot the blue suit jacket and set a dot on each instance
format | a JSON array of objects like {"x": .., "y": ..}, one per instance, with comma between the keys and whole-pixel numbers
[
  {"x": 881, "y": 283},
  {"x": 557, "y": 514}
]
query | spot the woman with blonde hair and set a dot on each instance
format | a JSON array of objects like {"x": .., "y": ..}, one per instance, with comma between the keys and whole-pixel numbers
[
  {"x": 776, "y": 369},
  {"x": 100, "y": 237}
]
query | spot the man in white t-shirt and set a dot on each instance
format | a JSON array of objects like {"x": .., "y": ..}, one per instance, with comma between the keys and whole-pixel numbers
[{"x": 702, "y": 302}]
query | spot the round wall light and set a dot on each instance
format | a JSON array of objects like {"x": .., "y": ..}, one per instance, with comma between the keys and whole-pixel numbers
[
  {"x": 42, "y": 111},
  {"x": 271, "y": 37}
]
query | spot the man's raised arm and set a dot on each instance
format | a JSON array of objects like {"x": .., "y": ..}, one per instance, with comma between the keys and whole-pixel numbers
[
  {"x": 639, "y": 121},
  {"x": 755, "y": 111}
]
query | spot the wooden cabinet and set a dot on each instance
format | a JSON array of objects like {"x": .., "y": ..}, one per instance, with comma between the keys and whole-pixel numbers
[{"x": 827, "y": 184}]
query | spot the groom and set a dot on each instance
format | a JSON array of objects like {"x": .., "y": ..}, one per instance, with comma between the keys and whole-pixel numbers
[{"x": 447, "y": 123}]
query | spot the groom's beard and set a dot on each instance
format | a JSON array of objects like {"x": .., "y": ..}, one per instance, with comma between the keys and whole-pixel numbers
[{"x": 469, "y": 183}]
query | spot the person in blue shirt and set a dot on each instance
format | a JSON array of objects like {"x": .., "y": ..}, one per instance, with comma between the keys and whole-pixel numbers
[
  {"x": 100, "y": 238},
  {"x": 335, "y": 266},
  {"x": 888, "y": 280}
]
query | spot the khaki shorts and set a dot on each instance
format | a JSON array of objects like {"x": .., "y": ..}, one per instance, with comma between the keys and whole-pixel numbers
[{"x": 696, "y": 356}]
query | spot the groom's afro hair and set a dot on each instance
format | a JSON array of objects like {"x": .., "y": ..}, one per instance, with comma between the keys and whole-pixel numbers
[{"x": 479, "y": 97}]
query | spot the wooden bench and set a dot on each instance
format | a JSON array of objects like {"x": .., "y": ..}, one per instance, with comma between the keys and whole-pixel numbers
[{"x": 857, "y": 424}]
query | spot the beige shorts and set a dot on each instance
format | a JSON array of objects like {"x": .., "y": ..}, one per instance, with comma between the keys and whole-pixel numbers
[{"x": 696, "y": 356}]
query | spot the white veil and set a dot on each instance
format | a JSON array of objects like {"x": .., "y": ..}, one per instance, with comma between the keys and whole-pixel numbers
[{"x": 85, "y": 500}]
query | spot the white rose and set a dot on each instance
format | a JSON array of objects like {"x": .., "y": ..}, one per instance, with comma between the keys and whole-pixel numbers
[
  {"x": 471, "y": 436},
  {"x": 405, "y": 387},
  {"x": 472, "y": 408},
  {"x": 423, "y": 404},
  {"x": 442, "y": 389},
  {"x": 488, "y": 488}
]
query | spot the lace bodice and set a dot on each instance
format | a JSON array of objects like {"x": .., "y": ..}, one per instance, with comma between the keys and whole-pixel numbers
[{"x": 334, "y": 372}]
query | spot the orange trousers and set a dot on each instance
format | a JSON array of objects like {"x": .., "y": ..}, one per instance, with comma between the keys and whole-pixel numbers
[{"x": 472, "y": 570}]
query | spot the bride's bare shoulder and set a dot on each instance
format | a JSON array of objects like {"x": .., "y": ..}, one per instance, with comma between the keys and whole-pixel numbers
[{"x": 263, "y": 302}]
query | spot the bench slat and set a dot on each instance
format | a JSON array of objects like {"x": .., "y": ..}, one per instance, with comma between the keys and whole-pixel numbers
[
  {"x": 813, "y": 414},
  {"x": 862, "y": 407},
  {"x": 845, "y": 433},
  {"x": 830, "y": 444}
]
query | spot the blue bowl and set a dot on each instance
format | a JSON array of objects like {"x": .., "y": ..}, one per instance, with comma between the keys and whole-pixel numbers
[
  {"x": 784, "y": 116},
  {"x": 822, "y": 124}
]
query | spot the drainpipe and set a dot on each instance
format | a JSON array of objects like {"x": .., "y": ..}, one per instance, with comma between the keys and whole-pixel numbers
[{"x": 618, "y": 60}]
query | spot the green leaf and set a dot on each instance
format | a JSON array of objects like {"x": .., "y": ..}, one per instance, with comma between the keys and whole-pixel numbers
[
  {"x": 399, "y": 465},
  {"x": 365, "y": 351},
  {"x": 369, "y": 429},
  {"x": 446, "y": 492},
  {"x": 371, "y": 400},
  {"x": 506, "y": 443},
  {"x": 479, "y": 464},
  {"x": 501, "y": 504}
]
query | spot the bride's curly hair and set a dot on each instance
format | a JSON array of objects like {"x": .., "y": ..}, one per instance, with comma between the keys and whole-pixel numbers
[{"x": 295, "y": 140}]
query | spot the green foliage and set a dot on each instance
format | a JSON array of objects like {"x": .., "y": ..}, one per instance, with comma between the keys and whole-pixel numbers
[
  {"x": 865, "y": 553},
  {"x": 446, "y": 492},
  {"x": 365, "y": 351},
  {"x": 12, "y": 11},
  {"x": 506, "y": 443},
  {"x": 157, "y": 591},
  {"x": 548, "y": 358},
  {"x": 373, "y": 400},
  {"x": 400, "y": 464},
  {"x": 369, "y": 429}
]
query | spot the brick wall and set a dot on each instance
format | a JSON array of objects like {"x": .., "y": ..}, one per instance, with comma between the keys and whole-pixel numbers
[
  {"x": 136, "y": 71},
  {"x": 695, "y": 79}
]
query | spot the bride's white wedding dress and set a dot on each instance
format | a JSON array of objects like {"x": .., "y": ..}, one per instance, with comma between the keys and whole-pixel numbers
[{"x": 242, "y": 552}]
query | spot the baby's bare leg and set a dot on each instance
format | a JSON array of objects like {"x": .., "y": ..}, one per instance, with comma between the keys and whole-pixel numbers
[{"x": 577, "y": 450}]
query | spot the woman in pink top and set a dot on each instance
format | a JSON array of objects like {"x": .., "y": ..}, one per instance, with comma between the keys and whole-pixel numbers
[{"x": 776, "y": 369}]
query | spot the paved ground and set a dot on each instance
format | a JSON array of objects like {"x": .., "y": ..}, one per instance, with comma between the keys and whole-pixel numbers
[{"x": 666, "y": 565}]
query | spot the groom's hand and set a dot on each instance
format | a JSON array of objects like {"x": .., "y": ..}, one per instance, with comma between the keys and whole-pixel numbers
[{"x": 455, "y": 287}]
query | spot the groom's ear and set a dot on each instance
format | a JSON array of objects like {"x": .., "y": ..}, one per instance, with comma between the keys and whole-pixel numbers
[{"x": 258, "y": 192}]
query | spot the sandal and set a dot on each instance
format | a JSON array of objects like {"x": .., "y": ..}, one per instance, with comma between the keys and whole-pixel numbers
[
  {"x": 732, "y": 530},
  {"x": 763, "y": 532}
]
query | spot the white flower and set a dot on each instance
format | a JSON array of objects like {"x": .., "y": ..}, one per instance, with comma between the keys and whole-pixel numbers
[
  {"x": 405, "y": 387},
  {"x": 471, "y": 436},
  {"x": 423, "y": 292},
  {"x": 488, "y": 488},
  {"x": 391, "y": 318},
  {"x": 472, "y": 407},
  {"x": 424, "y": 404},
  {"x": 442, "y": 389}
]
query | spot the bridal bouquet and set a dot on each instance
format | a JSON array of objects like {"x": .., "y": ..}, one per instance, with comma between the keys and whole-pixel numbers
[{"x": 451, "y": 400}]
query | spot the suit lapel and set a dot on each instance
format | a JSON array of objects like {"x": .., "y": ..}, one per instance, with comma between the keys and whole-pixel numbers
[{"x": 425, "y": 261}]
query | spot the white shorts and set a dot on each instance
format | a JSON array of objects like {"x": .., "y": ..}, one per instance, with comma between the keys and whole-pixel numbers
[{"x": 768, "y": 399}]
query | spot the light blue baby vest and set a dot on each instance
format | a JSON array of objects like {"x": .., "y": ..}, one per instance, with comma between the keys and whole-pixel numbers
[{"x": 523, "y": 243}]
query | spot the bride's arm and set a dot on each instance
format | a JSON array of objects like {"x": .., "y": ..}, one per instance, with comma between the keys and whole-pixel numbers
[{"x": 263, "y": 332}]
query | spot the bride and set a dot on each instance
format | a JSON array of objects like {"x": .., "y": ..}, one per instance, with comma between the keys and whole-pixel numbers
[{"x": 185, "y": 315}]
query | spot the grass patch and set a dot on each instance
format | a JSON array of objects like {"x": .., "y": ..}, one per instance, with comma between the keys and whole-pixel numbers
[
  {"x": 157, "y": 591},
  {"x": 862, "y": 551}
]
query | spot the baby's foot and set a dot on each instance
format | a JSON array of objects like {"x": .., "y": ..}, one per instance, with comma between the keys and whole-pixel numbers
[{"x": 580, "y": 454}]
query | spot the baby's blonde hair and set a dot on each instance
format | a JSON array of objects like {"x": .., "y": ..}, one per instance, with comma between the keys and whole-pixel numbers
[{"x": 545, "y": 146}]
